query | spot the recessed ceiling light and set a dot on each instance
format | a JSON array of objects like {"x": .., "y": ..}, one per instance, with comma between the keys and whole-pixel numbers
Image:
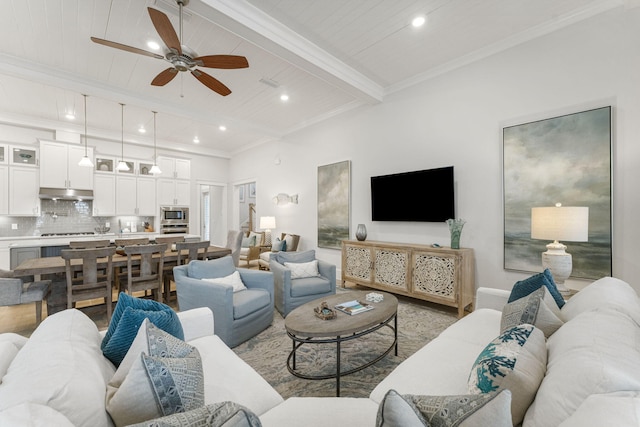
[
  {"x": 196, "y": 140},
  {"x": 418, "y": 21},
  {"x": 70, "y": 116},
  {"x": 284, "y": 97},
  {"x": 141, "y": 129},
  {"x": 153, "y": 45},
  {"x": 222, "y": 127}
]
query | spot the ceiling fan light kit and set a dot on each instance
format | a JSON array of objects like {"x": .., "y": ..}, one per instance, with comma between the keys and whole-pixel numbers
[{"x": 181, "y": 58}]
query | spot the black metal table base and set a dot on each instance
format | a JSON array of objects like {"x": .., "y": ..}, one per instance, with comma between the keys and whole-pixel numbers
[{"x": 298, "y": 342}]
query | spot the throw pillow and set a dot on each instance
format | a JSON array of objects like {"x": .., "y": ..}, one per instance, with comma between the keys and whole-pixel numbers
[
  {"x": 126, "y": 320},
  {"x": 288, "y": 238},
  {"x": 516, "y": 361},
  {"x": 284, "y": 246},
  {"x": 524, "y": 287},
  {"x": 258, "y": 238},
  {"x": 161, "y": 375},
  {"x": 248, "y": 241},
  {"x": 277, "y": 244},
  {"x": 220, "y": 414},
  {"x": 489, "y": 409},
  {"x": 234, "y": 280},
  {"x": 300, "y": 270},
  {"x": 535, "y": 309}
]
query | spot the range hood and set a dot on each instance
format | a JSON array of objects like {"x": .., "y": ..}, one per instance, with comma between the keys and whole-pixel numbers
[{"x": 65, "y": 194}]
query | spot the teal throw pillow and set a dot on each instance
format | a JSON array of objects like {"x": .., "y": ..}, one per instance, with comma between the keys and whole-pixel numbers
[
  {"x": 127, "y": 317},
  {"x": 284, "y": 246},
  {"x": 220, "y": 414},
  {"x": 489, "y": 409},
  {"x": 524, "y": 287}
]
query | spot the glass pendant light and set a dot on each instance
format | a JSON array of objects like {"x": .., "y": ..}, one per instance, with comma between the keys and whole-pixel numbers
[
  {"x": 85, "y": 161},
  {"x": 155, "y": 170},
  {"x": 122, "y": 165}
]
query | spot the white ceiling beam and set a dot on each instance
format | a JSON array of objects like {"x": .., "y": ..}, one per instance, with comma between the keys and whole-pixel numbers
[{"x": 252, "y": 24}]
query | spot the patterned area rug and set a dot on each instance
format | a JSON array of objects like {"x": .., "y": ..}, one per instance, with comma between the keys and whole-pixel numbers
[{"x": 418, "y": 323}]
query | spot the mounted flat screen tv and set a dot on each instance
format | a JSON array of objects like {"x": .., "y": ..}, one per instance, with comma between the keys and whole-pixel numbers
[{"x": 419, "y": 196}]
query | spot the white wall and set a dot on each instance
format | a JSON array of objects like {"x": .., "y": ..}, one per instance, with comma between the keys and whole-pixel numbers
[{"x": 456, "y": 119}]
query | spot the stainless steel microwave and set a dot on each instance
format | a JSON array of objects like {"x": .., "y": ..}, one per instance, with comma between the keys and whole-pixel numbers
[{"x": 174, "y": 215}]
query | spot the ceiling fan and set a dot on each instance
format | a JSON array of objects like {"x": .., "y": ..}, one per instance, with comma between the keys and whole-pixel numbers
[{"x": 181, "y": 57}]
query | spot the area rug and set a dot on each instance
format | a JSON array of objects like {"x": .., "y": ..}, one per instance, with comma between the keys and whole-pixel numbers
[{"x": 418, "y": 323}]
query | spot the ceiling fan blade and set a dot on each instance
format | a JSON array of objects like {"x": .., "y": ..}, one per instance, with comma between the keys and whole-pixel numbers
[
  {"x": 222, "y": 61},
  {"x": 165, "y": 29},
  {"x": 164, "y": 77},
  {"x": 211, "y": 82},
  {"x": 125, "y": 47}
]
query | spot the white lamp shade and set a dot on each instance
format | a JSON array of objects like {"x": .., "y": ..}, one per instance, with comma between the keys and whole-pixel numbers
[
  {"x": 267, "y": 222},
  {"x": 569, "y": 224}
]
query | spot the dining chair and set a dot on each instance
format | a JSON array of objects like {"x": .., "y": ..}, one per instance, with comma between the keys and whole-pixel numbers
[
  {"x": 132, "y": 241},
  {"x": 95, "y": 281},
  {"x": 23, "y": 290},
  {"x": 148, "y": 276},
  {"x": 234, "y": 242},
  {"x": 120, "y": 244},
  {"x": 167, "y": 274},
  {"x": 89, "y": 244},
  {"x": 192, "y": 252}
]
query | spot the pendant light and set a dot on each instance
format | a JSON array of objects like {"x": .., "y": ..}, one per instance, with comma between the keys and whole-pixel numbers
[
  {"x": 122, "y": 165},
  {"x": 155, "y": 170},
  {"x": 85, "y": 161}
]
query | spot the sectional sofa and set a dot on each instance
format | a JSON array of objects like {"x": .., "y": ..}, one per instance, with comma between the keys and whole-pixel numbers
[{"x": 590, "y": 375}]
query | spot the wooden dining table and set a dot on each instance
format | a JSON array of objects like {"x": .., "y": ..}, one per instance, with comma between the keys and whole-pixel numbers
[{"x": 54, "y": 268}]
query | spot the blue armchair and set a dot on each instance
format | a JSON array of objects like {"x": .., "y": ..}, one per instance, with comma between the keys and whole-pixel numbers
[
  {"x": 291, "y": 293},
  {"x": 237, "y": 316}
]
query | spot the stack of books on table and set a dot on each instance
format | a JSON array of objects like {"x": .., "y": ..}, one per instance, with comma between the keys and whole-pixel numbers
[{"x": 354, "y": 307}]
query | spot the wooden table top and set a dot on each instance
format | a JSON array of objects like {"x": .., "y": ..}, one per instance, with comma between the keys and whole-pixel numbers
[
  {"x": 55, "y": 264},
  {"x": 303, "y": 322}
]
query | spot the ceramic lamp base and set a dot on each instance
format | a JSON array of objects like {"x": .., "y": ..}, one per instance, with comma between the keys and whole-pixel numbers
[{"x": 559, "y": 263}]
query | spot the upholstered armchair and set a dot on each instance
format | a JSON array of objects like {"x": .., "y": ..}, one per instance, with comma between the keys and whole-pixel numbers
[
  {"x": 237, "y": 315},
  {"x": 290, "y": 245},
  {"x": 251, "y": 245},
  {"x": 296, "y": 282}
]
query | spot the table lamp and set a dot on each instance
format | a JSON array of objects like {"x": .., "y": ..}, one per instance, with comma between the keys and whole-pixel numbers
[
  {"x": 559, "y": 223},
  {"x": 267, "y": 223}
]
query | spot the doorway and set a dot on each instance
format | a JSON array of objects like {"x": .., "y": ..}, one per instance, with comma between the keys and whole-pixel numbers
[{"x": 213, "y": 220}]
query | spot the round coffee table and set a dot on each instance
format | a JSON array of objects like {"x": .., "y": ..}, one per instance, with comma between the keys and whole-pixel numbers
[{"x": 303, "y": 327}]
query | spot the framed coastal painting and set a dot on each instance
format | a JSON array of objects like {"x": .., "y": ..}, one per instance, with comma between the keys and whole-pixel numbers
[
  {"x": 334, "y": 187},
  {"x": 567, "y": 160}
]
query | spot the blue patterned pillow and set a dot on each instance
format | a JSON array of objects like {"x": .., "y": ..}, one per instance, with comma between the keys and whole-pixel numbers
[
  {"x": 126, "y": 320},
  {"x": 530, "y": 284},
  {"x": 516, "y": 361},
  {"x": 487, "y": 409},
  {"x": 221, "y": 414}
]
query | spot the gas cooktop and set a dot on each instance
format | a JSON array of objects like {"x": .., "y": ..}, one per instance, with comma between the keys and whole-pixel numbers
[{"x": 75, "y": 233}]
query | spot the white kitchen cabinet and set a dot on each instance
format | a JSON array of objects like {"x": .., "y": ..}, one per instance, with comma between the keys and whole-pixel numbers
[
  {"x": 4, "y": 190},
  {"x": 23, "y": 191},
  {"x": 104, "y": 195},
  {"x": 4, "y": 154},
  {"x": 135, "y": 196},
  {"x": 174, "y": 168},
  {"x": 59, "y": 166},
  {"x": 172, "y": 192}
]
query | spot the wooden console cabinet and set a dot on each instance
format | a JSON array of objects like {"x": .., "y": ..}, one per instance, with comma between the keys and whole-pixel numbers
[{"x": 440, "y": 275}]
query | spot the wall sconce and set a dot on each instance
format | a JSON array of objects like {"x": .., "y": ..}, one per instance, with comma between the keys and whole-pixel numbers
[{"x": 283, "y": 199}]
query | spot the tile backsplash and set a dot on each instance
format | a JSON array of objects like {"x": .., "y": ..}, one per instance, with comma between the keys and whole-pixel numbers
[{"x": 64, "y": 216}]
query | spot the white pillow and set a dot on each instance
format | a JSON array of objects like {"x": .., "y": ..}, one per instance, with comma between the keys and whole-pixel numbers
[
  {"x": 233, "y": 280},
  {"x": 300, "y": 270},
  {"x": 621, "y": 408},
  {"x": 289, "y": 239},
  {"x": 607, "y": 291}
]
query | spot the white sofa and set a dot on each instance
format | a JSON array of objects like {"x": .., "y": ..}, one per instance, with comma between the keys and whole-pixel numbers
[{"x": 592, "y": 376}]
